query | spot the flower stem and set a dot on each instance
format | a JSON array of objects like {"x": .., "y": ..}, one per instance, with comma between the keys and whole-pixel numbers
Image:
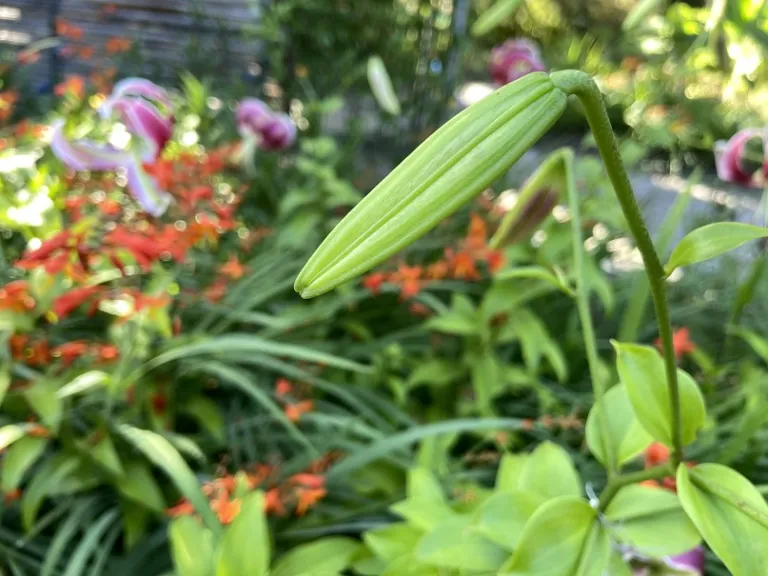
[
  {"x": 582, "y": 305},
  {"x": 582, "y": 86},
  {"x": 618, "y": 482}
]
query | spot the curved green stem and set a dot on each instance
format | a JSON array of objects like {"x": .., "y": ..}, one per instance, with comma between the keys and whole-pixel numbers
[
  {"x": 582, "y": 86},
  {"x": 582, "y": 305}
]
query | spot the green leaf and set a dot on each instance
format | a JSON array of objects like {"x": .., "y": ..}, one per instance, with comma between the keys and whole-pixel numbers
[
  {"x": 41, "y": 397},
  {"x": 104, "y": 453},
  {"x": 494, "y": 16},
  {"x": 90, "y": 543},
  {"x": 392, "y": 541},
  {"x": 539, "y": 273},
  {"x": 5, "y": 380},
  {"x": 327, "y": 557},
  {"x": 510, "y": 470},
  {"x": 19, "y": 458},
  {"x": 503, "y": 516},
  {"x": 434, "y": 372},
  {"x": 82, "y": 383},
  {"x": 138, "y": 484},
  {"x": 641, "y": 370},
  {"x": 452, "y": 322},
  {"x": 651, "y": 521},
  {"x": 562, "y": 537},
  {"x": 207, "y": 414},
  {"x": 381, "y": 86},
  {"x": 626, "y": 435},
  {"x": 232, "y": 343},
  {"x": 712, "y": 240},
  {"x": 758, "y": 344},
  {"x": 425, "y": 506},
  {"x": 48, "y": 477},
  {"x": 485, "y": 380},
  {"x": 163, "y": 455},
  {"x": 454, "y": 544},
  {"x": 550, "y": 473},
  {"x": 191, "y": 547},
  {"x": 245, "y": 547},
  {"x": 460, "y": 160},
  {"x": 393, "y": 443},
  {"x": 10, "y": 433},
  {"x": 409, "y": 565},
  {"x": 730, "y": 514}
]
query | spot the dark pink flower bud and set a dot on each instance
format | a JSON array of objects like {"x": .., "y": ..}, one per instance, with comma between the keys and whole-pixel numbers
[
  {"x": 514, "y": 59},
  {"x": 272, "y": 130},
  {"x": 730, "y": 156}
]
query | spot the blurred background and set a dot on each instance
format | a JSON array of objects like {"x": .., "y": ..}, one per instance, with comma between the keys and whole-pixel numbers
[{"x": 168, "y": 166}]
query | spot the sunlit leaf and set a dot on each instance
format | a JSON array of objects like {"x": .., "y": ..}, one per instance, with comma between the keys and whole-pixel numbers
[
  {"x": 730, "y": 514},
  {"x": 641, "y": 370},
  {"x": 627, "y": 437},
  {"x": 712, "y": 240}
]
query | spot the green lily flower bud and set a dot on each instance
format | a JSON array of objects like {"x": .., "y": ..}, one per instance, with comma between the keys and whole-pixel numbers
[{"x": 456, "y": 163}]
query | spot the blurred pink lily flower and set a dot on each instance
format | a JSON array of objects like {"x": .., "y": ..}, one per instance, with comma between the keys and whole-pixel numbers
[
  {"x": 514, "y": 59},
  {"x": 268, "y": 129},
  {"x": 729, "y": 158},
  {"x": 690, "y": 563},
  {"x": 145, "y": 110}
]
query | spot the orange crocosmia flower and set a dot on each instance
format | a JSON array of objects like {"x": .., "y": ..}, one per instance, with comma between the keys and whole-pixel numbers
[
  {"x": 183, "y": 508},
  {"x": 308, "y": 497},
  {"x": 464, "y": 267},
  {"x": 476, "y": 235},
  {"x": 108, "y": 352},
  {"x": 11, "y": 496},
  {"x": 86, "y": 52},
  {"x": 216, "y": 292},
  {"x": 233, "y": 269},
  {"x": 294, "y": 412},
  {"x": 418, "y": 309},
  {"x": 283, "y": 387},
  {"x": 438, "y": 271},
  {"x": 74, "y": 85},
  {"x": 409, "y": 278},
  {"x": 69, "y": 301},
  {"x": 116, "y": 45},
  {"x": 226, "y": 509},
  {"x": 273, "y": 502},
  {"x": 38, "y": 431},
  {"x": 656, "y": 454},
  {"x": 495, "y": 259},
  {"x": 374, "y": 281},
  {"x": 307, "y": 480},
  {"x": 70, "y": 351},
  {"x": 15, "y": 297},
  {"x": 681, "y": 343}
]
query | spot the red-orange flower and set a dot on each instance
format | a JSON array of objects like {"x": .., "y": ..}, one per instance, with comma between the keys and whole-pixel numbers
[
  {"x": 656, "y": 454},
  {"x": 70, "y": 351},
  {"x": 69, "y": 301},
  {"x": 294, "y": 412},
  {"x": 283, "y": 387},
  {"x": 116, "y": 45},
  {"x": 409, "y": 278},
  {"x": 681, "y": 343},
  {"x": 374, "y": 281},
  {"x": 308, "y": 497},
  {"x": 233, "y": 269},
  {"x": 15, "y": 297},
  {"x": 74, "y": 85}
]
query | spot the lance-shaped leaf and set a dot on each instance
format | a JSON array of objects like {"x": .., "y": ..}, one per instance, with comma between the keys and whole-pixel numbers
[
  {"x": 455, "y": 164},
  {"x": 730, "y": 514},
  {"x": 494, "y": 16}
]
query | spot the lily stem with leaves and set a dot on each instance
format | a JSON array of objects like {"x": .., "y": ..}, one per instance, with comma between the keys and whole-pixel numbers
[{"x": 582, "y": 86}]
